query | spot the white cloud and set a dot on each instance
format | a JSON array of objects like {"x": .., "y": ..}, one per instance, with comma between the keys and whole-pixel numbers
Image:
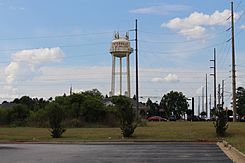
[
  {"x": 157, "y": 79},
  {"x": 38, "y": 56},
  {"x": 195, "y": 32},
  {"x": 196, "y": 24},
  {"x": 242, "y": 27},
  {"x": 162, "y": 9},
  {"x": 169, "y": 78},
  {"x": 27, "y": 63},
  {"x": 11, "y": 71},
  {"x": 198, "y": 19}
]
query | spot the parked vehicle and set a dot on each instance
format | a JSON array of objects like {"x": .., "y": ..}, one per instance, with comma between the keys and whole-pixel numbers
[
  {"x": 172, "y": 118},
  {"x": 156, "y": 118},
  {"x": 195, "y": 118},
  {"x": 242, "y": 119},
  {"x": 230, "y": 118}
]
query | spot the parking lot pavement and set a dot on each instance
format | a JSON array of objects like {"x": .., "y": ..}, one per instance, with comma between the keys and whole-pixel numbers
[{"x": 110, "y": 153}]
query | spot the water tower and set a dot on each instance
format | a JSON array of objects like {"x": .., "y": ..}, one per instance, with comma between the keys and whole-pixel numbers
[{"x": 120, "y": 48}]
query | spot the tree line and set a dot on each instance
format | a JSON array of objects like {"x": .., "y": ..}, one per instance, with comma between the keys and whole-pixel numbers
[
  {"x": 82, "y": 109},
  {"x": 91, "y": 108},
  {"x": 78, "y": 109}
]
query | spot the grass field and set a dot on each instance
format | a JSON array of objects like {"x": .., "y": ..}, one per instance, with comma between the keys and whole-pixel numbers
[{"x": 154, "y": 131}]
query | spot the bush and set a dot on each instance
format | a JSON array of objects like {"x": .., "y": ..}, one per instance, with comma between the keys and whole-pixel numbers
[
  {"x": 56, "y": 116},
  {"x": 221, "y": 122},
  {"x": 126, "y": 115},
  {"x": 3, "y": 117},
  {"x": 57, "y": 132},
  {"x": 93, "y": 110},
  {"x": 18, "y": 115},
  {"x": 38, "y": 118}
]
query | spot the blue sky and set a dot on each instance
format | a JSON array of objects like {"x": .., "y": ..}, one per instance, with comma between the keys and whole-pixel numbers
[{"x": 48, "y": 45}]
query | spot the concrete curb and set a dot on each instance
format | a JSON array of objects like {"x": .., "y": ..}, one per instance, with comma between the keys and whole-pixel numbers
[
  {"x": 142, "y": 141},
  {"x": 231, "y": 152}
]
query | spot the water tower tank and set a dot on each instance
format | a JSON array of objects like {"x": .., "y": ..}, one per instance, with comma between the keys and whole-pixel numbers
[{"x": 120, "y": 46}]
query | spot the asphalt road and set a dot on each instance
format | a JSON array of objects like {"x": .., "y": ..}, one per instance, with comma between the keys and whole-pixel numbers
[{"x": 112, "y": 153}]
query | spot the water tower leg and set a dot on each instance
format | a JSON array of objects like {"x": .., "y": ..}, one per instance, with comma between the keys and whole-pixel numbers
[
  {"x": 113, "y": 76},
  {"x": 128, "y": 75},
  {"x": 120, "y": 75}
]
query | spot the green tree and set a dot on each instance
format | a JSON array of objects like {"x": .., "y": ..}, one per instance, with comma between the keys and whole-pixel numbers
[
  {"x": 241, "y": 101},
  {"x": 175, "y": 102},
  {"x": 18, "y": 114},
  {"x": 189, "y": 112},
  {"x": 94, "y": 93},
  {"x": 26, "y": 100},
  {"x": 3, "y": 116},
  {"x": 152, "y": 109},
  {"x": 39, "y": 118},
  {"x": 93, "y": 109},
  {"x": 126, "y": 115},
  {"x": 221, "y": 122},
  {"x": 56, "y": 116},
  {"x": 39, "y": 103}
]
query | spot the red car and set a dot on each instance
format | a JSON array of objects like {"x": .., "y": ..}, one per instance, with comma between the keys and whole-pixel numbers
[{"x": 156, "y": 118}]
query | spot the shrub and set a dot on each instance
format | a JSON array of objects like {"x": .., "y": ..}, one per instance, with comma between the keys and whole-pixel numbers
[
  {"x": 57, "y": 132},
  {"x": 221, "y": 122},
  {"x": 18, "y": 115},
  {"x": 3, "y": 116},
  {"x": 56, "y": 116},
  {"x": 38, "y": 118},
  {"x": 93, "y": 110},
  {"x": 126, "y": 115}
]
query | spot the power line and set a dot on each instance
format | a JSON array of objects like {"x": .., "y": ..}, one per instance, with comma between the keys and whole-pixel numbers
[
  {"x": 61, "y": 46},
  {"x": 54, "y": 36},
  {"x": 175, "y": 33},
  {"x": 188, "y": 50},
  {"x": 177, "y": 42}
]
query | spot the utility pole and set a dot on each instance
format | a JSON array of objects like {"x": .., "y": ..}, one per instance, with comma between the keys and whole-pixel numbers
[
  {"x": 214, "y": 74},
  {"x": 210, "y": 105},
  {"x": 136, "y": 60},
  {"x": 192, "y": 108},
  {"x": 233, "y": 66},
  {"x": 206, "y": 94},
  {"x": 136, "y": 64},
  {"x": 202, "y": 99},
  {"x": 222, "y": 94},
  {"x": 198, "y": 106},
  {"x": 219, "y": 95}
]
